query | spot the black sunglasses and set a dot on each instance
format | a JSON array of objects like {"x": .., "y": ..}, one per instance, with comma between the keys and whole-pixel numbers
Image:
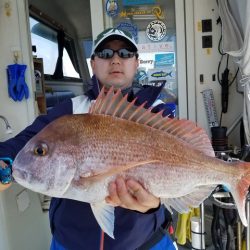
[{"x": 109, "y": 53}]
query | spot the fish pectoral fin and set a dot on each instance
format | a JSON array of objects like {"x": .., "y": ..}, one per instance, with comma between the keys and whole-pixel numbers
[
  {"x": 88, "y": 178},
  {"x": 116, "y": 170},
  {"x": 105, "y": 217},
  {"x": 184, "y": 203},
  {"x": 120, "y": 169}
]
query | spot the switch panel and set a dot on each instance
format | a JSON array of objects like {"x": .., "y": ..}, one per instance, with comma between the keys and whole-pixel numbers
[
  {"x": 206, "y": 25},
  {"x": 207, "y": 42}
]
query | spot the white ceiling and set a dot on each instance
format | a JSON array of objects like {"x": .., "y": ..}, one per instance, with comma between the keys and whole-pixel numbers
[{"x": 73, "y": 12}]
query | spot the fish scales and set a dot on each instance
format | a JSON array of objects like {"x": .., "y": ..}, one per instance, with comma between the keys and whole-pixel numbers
[{"x": 173, "y": 159}]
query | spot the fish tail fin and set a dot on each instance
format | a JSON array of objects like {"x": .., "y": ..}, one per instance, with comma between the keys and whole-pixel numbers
[{"x": 241, "y": 188}]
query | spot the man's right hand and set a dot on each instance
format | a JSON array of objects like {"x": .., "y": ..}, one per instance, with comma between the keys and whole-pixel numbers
[{"x": 3, "y": 186}]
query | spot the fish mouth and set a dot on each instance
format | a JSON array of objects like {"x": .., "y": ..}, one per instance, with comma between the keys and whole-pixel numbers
[
  {"x": 20, "y": 174},
  {"x": 26, "y": 180},
  {"x": 38, "y": 184}
]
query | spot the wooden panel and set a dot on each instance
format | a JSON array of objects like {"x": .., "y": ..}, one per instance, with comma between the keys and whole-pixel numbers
[{"x": 40, "y": 88}]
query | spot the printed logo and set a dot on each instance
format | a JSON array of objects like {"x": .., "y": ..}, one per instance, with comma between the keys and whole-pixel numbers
[
  {"x": 130, "y": 12},
  {"x": 165, "y": 59},
  {"x": 156, "y": 30},
  {"x": 141, "y": 75},
  {"x": 132, "y": 29},
  {"x": 112, "y": 8},
  {"x": 160, "y": 74}
]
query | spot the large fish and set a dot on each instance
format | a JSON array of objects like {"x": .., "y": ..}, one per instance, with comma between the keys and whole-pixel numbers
[{"x": 76, "y": 156}]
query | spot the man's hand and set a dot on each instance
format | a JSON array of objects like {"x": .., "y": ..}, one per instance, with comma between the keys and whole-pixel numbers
[
  {"x": 130, "y": 194},
  {"x": 3, "y": 186}
]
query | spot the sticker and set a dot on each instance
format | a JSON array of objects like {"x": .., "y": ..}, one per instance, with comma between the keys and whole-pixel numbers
[
  {"x": 156, "y": 47},
  {"x": 165, "y": 59},
  {"x": 156, "y": 30},
  {"x": 112, "y": 8},
  {"x": 166, "y": 74},
  {"x": 157, "y": 11},
  {"x": 141, "y": 75},
  {"x": 156, "y": 83},
  {"x": 157, "y": 74},
  {"x": 170, "y": 85},
  {"x": 141, "y": 12},
  {"x": 132, "y": 29},
  {"x": 137, "y": 2},
  {"x": 149, "y": 62},
  {"x": 170, "y": 73}
]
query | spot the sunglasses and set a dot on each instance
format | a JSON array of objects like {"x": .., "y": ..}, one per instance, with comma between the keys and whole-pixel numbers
[{"x": 109, "y": 53}]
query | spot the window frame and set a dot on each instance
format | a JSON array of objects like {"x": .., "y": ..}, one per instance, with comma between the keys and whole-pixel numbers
[{"x": 68, "y": 40}]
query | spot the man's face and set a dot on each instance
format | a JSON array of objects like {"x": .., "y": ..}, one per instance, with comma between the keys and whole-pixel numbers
[{"x": 116, "y": 71}]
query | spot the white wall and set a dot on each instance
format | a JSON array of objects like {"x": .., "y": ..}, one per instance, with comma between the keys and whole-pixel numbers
[
  {"x": 28, "y": 229},
  {"x": 206, "y": 62},
  {"x": 14, "y": 38}
]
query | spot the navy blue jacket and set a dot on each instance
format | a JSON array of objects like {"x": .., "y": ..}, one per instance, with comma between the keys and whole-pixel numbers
[{"x": 72, "y": 222}]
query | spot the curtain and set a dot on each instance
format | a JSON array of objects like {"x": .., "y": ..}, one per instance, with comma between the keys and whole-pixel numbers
[
  {"x": 70, "y": 47},
  {"x": 58, "y": 74},
  {"x": 235, "y": 17}
]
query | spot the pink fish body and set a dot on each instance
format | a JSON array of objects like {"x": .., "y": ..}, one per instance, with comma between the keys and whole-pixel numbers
[{"x": 76, "y": 156}]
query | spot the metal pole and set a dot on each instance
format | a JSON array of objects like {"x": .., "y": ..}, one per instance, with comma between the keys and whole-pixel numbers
[
  {"x": 202, "y": 216},
  {"x": 239, "y": 235}
]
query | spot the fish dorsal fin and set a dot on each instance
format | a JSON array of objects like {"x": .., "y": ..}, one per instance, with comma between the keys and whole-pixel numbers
[{"x": 113, "y": 103}]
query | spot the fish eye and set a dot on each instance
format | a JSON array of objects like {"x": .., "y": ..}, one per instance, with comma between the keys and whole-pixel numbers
[{"x": 41, "y": 149}]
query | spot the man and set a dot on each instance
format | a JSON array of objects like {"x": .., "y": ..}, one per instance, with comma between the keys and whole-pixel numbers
[{"x": 139, "y": 217}]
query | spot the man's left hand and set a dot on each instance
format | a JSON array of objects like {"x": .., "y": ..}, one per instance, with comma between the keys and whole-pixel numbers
[{"x": 130, "y": 194}]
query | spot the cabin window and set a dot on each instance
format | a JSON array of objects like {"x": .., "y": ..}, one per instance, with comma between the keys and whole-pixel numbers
[{"x": 46, "y": 41}]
